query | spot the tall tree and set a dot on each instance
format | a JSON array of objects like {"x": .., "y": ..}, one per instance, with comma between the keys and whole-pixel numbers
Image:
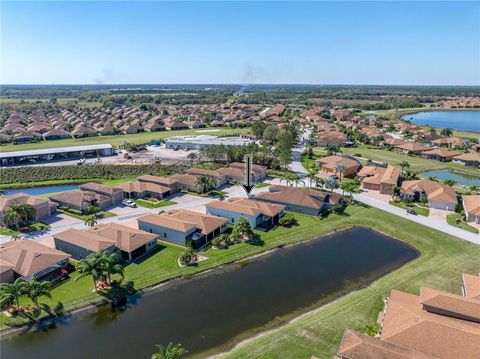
[
  {"x": 111, "y": 266},
  {"x": 91, "y": 221},
  {"x": 11, "y": 292},
  {"x": 36, "y": 289}
]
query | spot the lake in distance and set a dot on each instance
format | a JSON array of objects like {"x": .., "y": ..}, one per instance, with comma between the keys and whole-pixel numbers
[
  {"x": 209, "y": 312},
  {"x": 458, "y": 120}
]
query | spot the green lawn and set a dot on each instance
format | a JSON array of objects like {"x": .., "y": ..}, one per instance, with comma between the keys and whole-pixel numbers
[
  {"x": 143, "y": 137},
  {"x": 83, "y": 217},
  {"x": 262, "y": 184},
  {"x": 423, "y": 211},
  {"x": 452, "y": 220},
  {"x": 154, "y": 204},
  {"x": 109, "y": 182},
  {"x": 7, "y": 231},
  {"x": 442, "y": 261},
  {"x": 394, "y": 158},
  {"x": 440, "y": 266}
]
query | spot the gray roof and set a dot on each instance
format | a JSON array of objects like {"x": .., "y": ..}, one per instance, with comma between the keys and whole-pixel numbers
[{"x": 47, "y": 151}]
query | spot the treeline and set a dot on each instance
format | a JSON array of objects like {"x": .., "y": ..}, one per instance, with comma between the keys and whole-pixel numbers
[{"x": 74, "y": 172}]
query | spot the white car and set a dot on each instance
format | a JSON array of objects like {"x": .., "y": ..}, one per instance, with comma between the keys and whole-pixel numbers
[{"x": 129, "y": 203}]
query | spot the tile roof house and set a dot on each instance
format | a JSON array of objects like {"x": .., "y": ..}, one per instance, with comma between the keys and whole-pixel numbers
[
  {"x": 80, "y": 200},
  {"x": 334, "y": 138},
  {"x": 262, "y": 215},
  {"x": 56, "y": 134},
  {"x": 137, "y": 189},
  {"x": 132, "y": 243},
  {"x": 303, "y": 200},
  {"x": 439, "y": 195},
  {"x": 439, "y": 154},
  {"x": 43, "y": 207},
  {"x": 471, "y": 286},
  {"x": 329, "y": 165},
  {"x": 379, "y": 178},
  {"x": 163, "y": 181},
  {"x": 183, "y": 226},
  {"x": 80, "y": 244},
  {"x": 454, "y": 142},
  {"x": 410, "y": 148},
  {"x": 115, "y": 194},
  {"x": 468, "y": 159},
  {"x": 471, "y": 206},
  {"x": 29, "y": 260}
]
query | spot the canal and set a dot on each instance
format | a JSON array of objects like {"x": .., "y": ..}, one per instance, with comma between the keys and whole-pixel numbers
[{"x": 209, "y": 312}]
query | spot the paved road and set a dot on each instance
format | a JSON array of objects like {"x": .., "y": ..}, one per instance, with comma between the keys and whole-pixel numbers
[{"x": 296, "y": 165}]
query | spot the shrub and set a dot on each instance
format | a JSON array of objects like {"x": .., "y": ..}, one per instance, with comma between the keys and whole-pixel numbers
[
  {"x": 287, "y": 220},
  {"x": 188, "y": 256}
]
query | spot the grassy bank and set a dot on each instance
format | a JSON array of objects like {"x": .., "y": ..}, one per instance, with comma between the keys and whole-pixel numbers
[
  {"x": 452, "y": 220},
  {"x": 440, "y": 266},
  {"x": 117, "y": 140}
]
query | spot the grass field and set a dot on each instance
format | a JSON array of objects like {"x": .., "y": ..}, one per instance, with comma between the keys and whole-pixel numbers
[
  {"x": 152, "y": 204},
  {"x": 440, "y": 265},
  {"x": 418, "y": 164},
  {"x": 117, "y": 140},
  {"x": 318, "y": 333},
  {"x": 452, "y": 220}
]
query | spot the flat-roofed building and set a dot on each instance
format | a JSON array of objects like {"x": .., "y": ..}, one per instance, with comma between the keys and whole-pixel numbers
[
  {"x": 303, "y": 200},
  {"x": 29, "y": 260},
  {"x": 262, "y": 215},
  {"x": 183, "y": 227}
]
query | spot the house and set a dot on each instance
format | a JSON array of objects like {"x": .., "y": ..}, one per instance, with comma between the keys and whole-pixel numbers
[
  {"x": 132, "y": 128},
  {"x": 259, "y": 214},
  {"x": 439, "y": 195},
  {"x": 115, "y": 194},
  {"x": 329, "y": 165},
  {"x": 80, "y": 244},
  {"x": 56, "y": 134},
  {"x": 144, "y": 189},
  {"x": 468, "y": 159},
  {"x": 259, "y": 171},
  {"x": 471, "y": 206},
  {"x": 163, "y": 181},
  {"x": 410, "y": 148},
  {"x": 382, "y": 179},
  {"x": 332, "y": 138},
  {"x": 80, "y": 200},
  {"x": 303, "y": 200},
  {"x": 28, "y": 259},
  {"x": 435, "y": 323},
  {"x": 439, "y": 154},
  {"x": 132, "y": 243},
  {"x": 454, "y": 142},
  {"x": 43, "y": 207},
  {"x": 183, "y": 227},
  {"x": 154, "y": 126}
]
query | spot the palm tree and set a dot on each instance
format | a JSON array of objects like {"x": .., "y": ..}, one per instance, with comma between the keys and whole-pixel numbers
[
  {"x": 333, "y": 150},
  {"x": 11, "y": 292},
  {"x": 111, "y": 266},
  {"x": 474, "y": 189},
  {"x": 242, "y": 228},
  {"x": 36, "y": 289},
  {"x": 18, "y": 214},
  {"x": 340, "y": 168},
  {"x": 296, "y": 179},
  {"x": 311, "y": 178},
  {"x": 446, "y": 132},
  {"x": 171, "y": 351},
  {"x": 89, "y": 266},
  {"x": 404, "y": 165},
  {"x": 450, "y": 182},
  {"x": 331, "y": 183},
  {"x": 91, "y": 221},
  {"x": 206, "y": 183},
  {"x": 319, "y": 181}
]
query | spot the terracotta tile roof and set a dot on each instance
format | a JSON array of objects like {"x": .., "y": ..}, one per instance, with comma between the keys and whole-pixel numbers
[
  {"x": 78, "y": 198},
  {"x": 378, "y": 175},
  {"x": 456, "y": 305},
  {"x": 332, "y": 161},
  {"x": 164, "y": 220},
  {"x": 142, "y": 187},
  {"x": 440, "y": 151},
  {"x": 360, "y": 346},
  {"x": 247, "y": 206},
  {"x": 305, "y": 197},
  {"x": 435, "y": 191},
  {"x": 23, "y": 198},
  {"x": 28, "y": 257},
  {"x": 406, "y": 324},
  {"x": 204, "y": 222},
  {"x": 100, "y": 188},
  {"x": 155, "y": 179},
  {"x": 470, "y": 156},
  {"x": 471, "y": 285},
  {"x": 126, "y": 238},
  {"x": 85, "y": 239}
]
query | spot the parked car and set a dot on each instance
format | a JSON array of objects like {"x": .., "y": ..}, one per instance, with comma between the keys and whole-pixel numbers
[
  {"x": 129, "y": 203},
  {"x": 411, "y": 211}
]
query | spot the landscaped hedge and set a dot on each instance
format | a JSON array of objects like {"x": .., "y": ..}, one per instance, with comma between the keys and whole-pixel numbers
[{"x": 45, "y": 173}]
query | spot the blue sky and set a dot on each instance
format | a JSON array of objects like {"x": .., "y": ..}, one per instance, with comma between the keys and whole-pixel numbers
[{"x": 404, "y": 43}]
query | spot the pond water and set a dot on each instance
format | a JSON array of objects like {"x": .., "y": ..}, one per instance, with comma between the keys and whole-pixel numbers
[
  {"x": 460, "y": 178},
  {"x": 206, "y": 312},
  {"x": 35, "y": 191},
  {"x": 458, "y": 120}
]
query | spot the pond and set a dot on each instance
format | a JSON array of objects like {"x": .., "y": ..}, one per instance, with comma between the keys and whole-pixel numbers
[
  {"x": 458, "y": 120},
  {"x": 210, "y": 311},
  {"x": 460, "y": 178},
  {"x": 35, "y": 191}
]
